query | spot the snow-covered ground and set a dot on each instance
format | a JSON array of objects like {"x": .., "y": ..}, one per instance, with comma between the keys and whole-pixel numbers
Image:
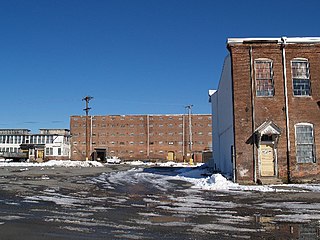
[
  {"x": 147, "y": 195},
  {"x": 52, "y": 163},
  {"x": 198, "y": 175}
]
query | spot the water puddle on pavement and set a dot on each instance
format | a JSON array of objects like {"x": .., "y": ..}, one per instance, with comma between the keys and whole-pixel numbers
[
  {"x": 166, "y": 219},
  {"x": 289, "y": 230}
]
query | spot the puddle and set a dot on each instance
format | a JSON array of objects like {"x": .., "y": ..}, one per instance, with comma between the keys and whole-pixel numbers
[{"x": 166, "y": 219}]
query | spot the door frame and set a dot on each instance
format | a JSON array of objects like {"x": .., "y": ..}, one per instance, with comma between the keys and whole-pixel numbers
[{"x": 275, "y": 158}]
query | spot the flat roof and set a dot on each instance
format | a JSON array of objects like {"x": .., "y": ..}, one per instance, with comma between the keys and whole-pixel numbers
[{"x": 274, "y": 40}]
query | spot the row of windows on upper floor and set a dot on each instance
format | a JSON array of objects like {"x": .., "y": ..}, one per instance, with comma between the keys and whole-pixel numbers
[
  {"x": 112, "y": 118},
  {"x": 300, "y": 70},
  {"x": 74, "y": 135},
  {"x": 142, "y": 125},
  {"x": 144, "y": 143},
  {"x": 22, "y": 139}
]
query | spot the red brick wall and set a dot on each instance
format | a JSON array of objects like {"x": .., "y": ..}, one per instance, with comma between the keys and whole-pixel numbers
[
  {"x": 127, "y": 136},
  {"x": 301, "y": 109}
]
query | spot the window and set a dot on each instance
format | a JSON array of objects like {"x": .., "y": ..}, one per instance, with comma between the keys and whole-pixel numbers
[
  {"x": 264, "y": 78},
  {"x": 304, "y": 143},
  {"x": 49, "y": 151},
  {"x": 300, "y": 77}
]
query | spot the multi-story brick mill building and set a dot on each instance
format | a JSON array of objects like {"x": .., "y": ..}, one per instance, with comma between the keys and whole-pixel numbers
[
  {"x": 131, "y": 137},
  {"x": 266, "y": 111}
]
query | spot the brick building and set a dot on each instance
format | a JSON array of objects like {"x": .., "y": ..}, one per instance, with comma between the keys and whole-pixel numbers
[
  {"x": 266, "y": 112},
  {"x": 164, "y": 137}
]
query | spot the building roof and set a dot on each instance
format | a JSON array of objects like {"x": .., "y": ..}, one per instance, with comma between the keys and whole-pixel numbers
[{"x": 274, "y": 40}]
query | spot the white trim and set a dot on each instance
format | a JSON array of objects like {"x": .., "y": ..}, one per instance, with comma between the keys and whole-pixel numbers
[{"x": 278, "y": 40}]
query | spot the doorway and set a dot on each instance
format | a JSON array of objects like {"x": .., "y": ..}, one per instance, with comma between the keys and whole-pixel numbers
[
  {"x": 267, "y": 160},
  {"x": 170, "y": 156}
]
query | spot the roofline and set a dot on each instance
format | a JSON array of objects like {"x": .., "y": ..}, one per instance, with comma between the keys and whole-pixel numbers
[
  {"x": 140, "y": 115},
  {"x": 274, "y": 40}
]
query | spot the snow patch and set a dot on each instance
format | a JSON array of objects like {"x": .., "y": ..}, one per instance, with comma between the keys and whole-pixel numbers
[{"x": 52, "y": 163}]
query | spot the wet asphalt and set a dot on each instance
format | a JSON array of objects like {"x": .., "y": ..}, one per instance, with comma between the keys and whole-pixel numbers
[{"x": 126, "y": 202}]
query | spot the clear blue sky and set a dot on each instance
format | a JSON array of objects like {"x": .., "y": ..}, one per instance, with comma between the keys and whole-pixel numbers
[{"x": 132, "y": 56}]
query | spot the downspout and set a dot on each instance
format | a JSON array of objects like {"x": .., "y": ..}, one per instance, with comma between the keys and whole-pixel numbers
[
  {"x": 253, "y": 117},
  {"x": 283, "y": 39}
]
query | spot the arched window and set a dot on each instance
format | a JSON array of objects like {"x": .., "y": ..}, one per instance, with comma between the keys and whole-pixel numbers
[
  {"x": 304, "y": 143},
  {"x": 300, "y": 77},
  {"x": 264, "y": 77}
]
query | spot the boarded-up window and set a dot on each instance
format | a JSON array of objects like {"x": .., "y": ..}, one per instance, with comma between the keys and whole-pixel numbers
[
  {"x": 304, "y": 143},
  {"x": 300, "y": 77},
  {"x": 264, "y": 78}
]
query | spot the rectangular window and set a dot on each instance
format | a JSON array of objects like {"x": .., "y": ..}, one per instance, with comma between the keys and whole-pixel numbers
[
  {"x": 305, "y": 143},
  {"x": 264, "y": 78},
  {"x": 300, "y": 77},
  {"x": 49, "y": 151}
]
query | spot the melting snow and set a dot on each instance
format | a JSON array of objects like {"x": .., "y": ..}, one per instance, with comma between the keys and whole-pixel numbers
[{"x": 51, "y": 163}]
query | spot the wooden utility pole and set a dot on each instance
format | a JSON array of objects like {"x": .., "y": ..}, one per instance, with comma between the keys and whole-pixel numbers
[
  {"x": 189, "y": 107},
  {"x": 87, "y": 99}
]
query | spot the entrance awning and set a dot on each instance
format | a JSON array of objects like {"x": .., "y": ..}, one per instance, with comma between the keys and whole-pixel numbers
[
  {"x": 267, "y": 131},
  {"x": 268, "y": 128}
]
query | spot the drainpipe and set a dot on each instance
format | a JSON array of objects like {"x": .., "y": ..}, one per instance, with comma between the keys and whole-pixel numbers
[
  {"x": 283, "y": 45},
  {"x": 253, "y": 117}
]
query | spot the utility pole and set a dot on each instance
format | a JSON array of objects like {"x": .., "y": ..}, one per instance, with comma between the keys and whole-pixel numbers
[
  {"x": 87, "y": 99},
  {"x": 189, "y": 107}
]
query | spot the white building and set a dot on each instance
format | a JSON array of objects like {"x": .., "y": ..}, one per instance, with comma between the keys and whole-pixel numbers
[
  {"x": 46, "y": 145},
  {"x": 222, "y": 122}
]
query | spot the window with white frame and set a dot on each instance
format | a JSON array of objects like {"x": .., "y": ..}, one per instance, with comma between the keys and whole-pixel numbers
[
  {"x": 49, "y": 151},
  {"x": 300, "y": 77},
  {"x": 264, "y": 78},
  {"x": 304, "y": 143}
]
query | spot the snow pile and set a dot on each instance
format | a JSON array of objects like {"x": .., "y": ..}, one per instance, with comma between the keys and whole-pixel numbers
[
  {"x": 201, "y": 179},
  {"x": 53, "y": 163},
  {"x": 214, "y": 182},
  {"x": 138, "y": 163},
  {"x": 160, "y": 164}
]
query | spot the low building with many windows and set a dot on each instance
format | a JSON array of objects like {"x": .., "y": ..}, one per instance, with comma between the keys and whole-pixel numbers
[
  {"x": 48, "y": 144},
  {"x": 173, "y": 137},
  {"x": 266, "y": 111}
]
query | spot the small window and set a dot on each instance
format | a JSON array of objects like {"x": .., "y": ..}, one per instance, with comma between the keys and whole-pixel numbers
[
  {"x": 304, "y": 143},
  {"x": 300, "y": 77},
  {"x": 264, "y": 78}
]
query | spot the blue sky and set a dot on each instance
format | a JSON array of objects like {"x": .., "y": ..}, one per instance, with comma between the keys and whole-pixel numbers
[{"x": 132, "y": 56}]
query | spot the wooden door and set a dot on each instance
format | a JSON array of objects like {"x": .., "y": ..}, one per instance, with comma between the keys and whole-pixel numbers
[
  {"x": 170, "y": 156},
  {"x": 267, "y": 160}
]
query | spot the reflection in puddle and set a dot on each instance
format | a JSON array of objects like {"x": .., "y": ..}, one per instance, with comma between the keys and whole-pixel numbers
[
  {"x": 166, "y": 219},
  {"x": 291, "y": 230}
]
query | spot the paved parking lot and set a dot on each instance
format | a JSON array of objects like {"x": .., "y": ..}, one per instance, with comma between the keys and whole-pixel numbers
[{"x": 127, "y": 202}]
